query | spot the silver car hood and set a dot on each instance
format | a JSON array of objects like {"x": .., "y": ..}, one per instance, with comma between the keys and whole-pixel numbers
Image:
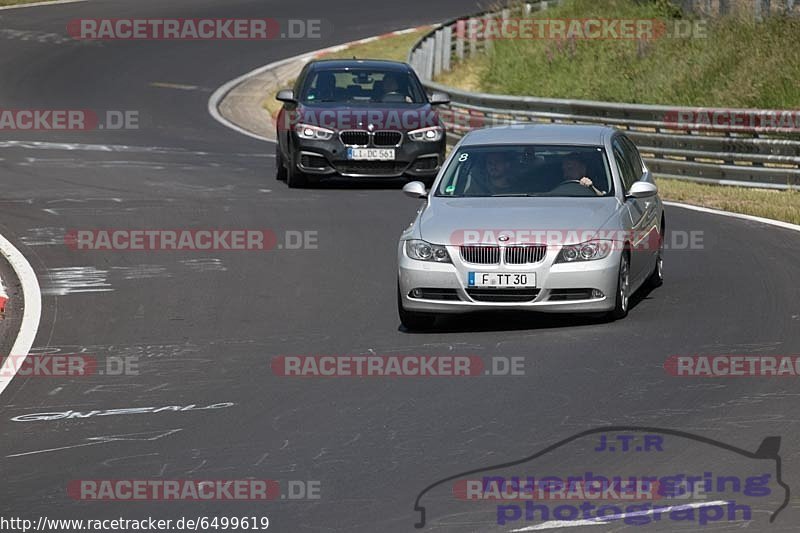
[{"x": 445, "y": 220}]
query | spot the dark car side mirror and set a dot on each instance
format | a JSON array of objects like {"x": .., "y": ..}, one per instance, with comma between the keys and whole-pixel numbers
[
  {"x": 286, "y": 95},
  {"x": 439, "y": 98}
]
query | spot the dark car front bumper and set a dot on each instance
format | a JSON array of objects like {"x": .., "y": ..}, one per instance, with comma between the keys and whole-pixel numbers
[{"x": 414, "y": 159}]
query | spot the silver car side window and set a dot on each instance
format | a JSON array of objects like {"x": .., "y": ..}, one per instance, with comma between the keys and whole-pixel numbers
[
  {"x": 626, "y": 170},
  {"x": 632, "y": 154}
]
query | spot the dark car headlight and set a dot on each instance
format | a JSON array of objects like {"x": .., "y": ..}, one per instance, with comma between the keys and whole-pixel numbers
[
  {"x": 586, "y": 251},
  {"x": 307, "y": 131},
  {"x": 431, "y": 134},
  {"x": 425, "y": 251}
]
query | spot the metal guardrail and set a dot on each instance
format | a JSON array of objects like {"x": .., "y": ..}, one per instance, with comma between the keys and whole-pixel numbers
[{"x": 748, "y": 147}]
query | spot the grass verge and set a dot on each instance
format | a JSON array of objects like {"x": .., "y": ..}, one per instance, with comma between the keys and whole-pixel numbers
[
  {"x": 731, "y": 61},
  {"x": 777, "y": 205}
]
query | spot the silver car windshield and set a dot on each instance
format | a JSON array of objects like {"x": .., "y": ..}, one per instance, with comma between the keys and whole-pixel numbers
[{"x": 527, "y": 170}]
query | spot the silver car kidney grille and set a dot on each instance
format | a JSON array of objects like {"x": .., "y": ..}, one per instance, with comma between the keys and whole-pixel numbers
[
  {"x": 514, "y": 255},
  {"x": 522, "y": 255},
  {"x": 481, "y": 255}
]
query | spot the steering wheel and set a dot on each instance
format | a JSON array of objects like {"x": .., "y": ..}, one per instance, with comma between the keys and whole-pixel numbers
[
  {"x": 585, "y": 191},
  {"x": 393, "y": 96}
]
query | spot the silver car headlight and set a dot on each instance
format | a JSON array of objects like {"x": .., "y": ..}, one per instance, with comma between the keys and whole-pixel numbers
[
  {"x": 586, "y": 251},
  {"x": 425, "y": 251},
  {"x": 431, "y": 134},
  {"x": 307, "y": 131}
]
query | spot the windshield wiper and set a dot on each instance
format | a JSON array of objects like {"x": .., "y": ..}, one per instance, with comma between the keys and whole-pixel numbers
[{"x": 513, "y": 194}]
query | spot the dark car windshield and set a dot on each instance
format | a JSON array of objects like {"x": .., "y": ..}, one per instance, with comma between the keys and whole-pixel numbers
[
  {"x": 362, "y": 86},
  {"x": 527, "y": 170}
]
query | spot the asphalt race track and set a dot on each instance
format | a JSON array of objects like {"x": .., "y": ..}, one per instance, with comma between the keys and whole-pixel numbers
[{"x": 204, "y": 326}]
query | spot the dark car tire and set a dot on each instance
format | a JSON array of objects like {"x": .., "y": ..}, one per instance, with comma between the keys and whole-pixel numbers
[
  {"x": 412, "y": 320},
  {"x": 622, "y": 296},
  {"x": 295, "y": 179},
  {"x": 280, "y": 165}
]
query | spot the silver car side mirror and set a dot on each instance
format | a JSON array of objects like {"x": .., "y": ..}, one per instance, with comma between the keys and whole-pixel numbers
[
  {"x": 415, "y": 189},
  {"x": 642, "y": 189}
]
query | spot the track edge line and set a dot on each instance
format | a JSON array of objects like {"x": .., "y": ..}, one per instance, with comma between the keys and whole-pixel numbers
[{"x": 31, "y": 315}]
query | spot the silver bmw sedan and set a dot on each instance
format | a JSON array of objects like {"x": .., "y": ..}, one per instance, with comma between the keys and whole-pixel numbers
[{"x": 556, "y": 218}]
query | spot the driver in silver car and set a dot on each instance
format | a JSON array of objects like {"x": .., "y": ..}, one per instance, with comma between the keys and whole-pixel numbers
[{"x": 574, "y": 168}]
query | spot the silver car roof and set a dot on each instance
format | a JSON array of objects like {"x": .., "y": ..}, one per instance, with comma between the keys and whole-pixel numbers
[{"x": 569, "y": 134}]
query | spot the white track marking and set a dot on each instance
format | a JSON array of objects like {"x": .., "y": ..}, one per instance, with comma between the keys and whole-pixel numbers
[
  {"x": 76, "y": 280},
  {"x": 771, "y": 222},
  {"x": 41, "y": 4},
  {"x": 44, "y": 145},
  {"x": 151, "y": 436},
  {"x": 31, "y": 316},
  {"x": 552, "y": 524}
]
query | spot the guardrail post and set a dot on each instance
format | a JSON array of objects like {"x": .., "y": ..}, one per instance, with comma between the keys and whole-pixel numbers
[
  {"x": 437, "y": 53},
  {"x": 762, "y": 9},
  {"x": 473, "y": 36},
  {"x": 487, "y": 43},
  {"x": 429, "y": 59},
  {"x": 447, "y": 48},
  {"x": 460, "y": 31}
]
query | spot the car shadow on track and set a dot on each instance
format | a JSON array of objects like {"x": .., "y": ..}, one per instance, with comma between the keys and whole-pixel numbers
[
  {"x": 356, "y": 183},
  {"x": 483, "y": 321}
]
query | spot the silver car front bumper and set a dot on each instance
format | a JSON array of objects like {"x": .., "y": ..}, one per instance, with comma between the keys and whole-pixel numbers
[{"x": 600, "y": 274}]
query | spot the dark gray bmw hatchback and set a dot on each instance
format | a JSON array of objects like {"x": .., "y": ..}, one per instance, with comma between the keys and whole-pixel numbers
[{"x": 360, "y": 119}]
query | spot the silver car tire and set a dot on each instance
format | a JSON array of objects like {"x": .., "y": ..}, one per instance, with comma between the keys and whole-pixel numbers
[
  {"x": 656, "y": 279},
  {"x": 623, "y": 296}
]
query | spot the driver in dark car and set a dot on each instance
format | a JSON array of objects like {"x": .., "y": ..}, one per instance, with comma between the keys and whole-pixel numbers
[{"x": 393, "y": 89}]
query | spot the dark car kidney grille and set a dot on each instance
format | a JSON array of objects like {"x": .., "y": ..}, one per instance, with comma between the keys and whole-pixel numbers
[
  {"x": 354, "y": 138},
  {"x": 520, "y": 255},
  {"x": 387, "y": 138},
  {"x": 481, "y": 255}
]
